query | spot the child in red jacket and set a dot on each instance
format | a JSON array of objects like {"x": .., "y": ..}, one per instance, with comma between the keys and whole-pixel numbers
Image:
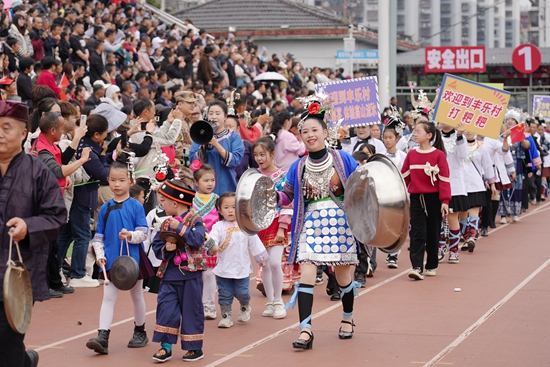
[{"x": 426, "y": 174}]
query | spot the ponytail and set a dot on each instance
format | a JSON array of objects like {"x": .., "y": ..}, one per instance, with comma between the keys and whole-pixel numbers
[{"x": 437, "y": 140}]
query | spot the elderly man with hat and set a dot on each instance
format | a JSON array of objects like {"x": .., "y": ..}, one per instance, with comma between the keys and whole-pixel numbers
[
  {"x": 33, "y": 212},
  {"x": 186, "y": 101}
]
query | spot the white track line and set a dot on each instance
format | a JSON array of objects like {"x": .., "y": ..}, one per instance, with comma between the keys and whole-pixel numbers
[
  {"x": 91, "y": 332},
  {"x": 485, "y": 317},
  {"x": 284, "y": 330},
  {"x": 493, "y": 309}
]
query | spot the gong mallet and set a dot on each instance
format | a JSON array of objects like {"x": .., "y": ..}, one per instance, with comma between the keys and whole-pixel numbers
[{"x": 106, "y": 282}]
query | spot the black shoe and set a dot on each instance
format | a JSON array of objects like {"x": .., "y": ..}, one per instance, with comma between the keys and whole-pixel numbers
[
  {"x": 139, "y": 339},
  {"x": 360, "y": 277},
  {"x": 484, "y": 232},
  {"x": 336, "y": 295},
  {"x": 55, "y": 294},
  {"x": 346, "y": 334},
  {"x": 33, "y": 357},
  {"x": 331, "y": 285},
  {"x": 260, "y": 287},
  {"x": 193, "y": 355},
  {"x": 304, "y": 343},
  {"x": 101, "y": 343},
  {"x": 162, "y": 357},
  {"x": 65, "y": 289}
]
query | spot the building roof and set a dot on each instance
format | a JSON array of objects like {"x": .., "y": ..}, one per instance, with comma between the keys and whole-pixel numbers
[
  {"x": 219, "y": 15},
  {"x": 274, "y": 19},
  {"x": 495, "y": 57}
]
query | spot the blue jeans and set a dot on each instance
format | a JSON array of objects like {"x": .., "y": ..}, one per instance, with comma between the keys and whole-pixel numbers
[
  {"x": 78, "y": 229},
  {"x": 232, "y": 288}
]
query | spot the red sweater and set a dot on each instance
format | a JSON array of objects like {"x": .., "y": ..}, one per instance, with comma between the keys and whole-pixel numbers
[
  {"x": 48, "y": 79},
  {"x": 426, "y": 172}
]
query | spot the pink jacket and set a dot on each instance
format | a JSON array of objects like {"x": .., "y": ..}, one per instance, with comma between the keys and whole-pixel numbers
[
  {"x": 144, "y": 61},
  {"x": 288, "y": 149}
]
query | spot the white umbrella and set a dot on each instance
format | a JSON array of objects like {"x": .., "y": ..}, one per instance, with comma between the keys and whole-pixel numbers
[{"x": 270, "y": 76}]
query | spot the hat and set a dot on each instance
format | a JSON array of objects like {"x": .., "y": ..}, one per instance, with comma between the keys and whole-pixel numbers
[
  {"x": 114, "y": 116},
  {"x": 157, "y": 42},
  {"x": 111, "y": 90},
  {"x": 102, "y": 83},
  {"x": 179, "y": 194},
  {"x": 186, "y": 96},
  {"x": 282, "y": 65},
  {"x": 15, "y": 110},
  {"x": 6, "y": 81}
]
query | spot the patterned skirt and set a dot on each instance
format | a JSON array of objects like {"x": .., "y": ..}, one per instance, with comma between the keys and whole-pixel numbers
[
  {"x": 326, "y": 238},
  {"x": 268, "y": 235}
]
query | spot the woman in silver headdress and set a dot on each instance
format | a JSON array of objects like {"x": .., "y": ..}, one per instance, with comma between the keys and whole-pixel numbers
[{"x": 320, "y": 231}]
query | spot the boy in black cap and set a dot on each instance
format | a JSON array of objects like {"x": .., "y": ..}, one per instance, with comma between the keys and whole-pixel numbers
[{"x": 181, "y": 274}]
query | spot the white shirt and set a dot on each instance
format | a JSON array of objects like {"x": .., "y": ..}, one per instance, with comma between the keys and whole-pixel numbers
[
  {"x": 477, "y": 167},
  {"x": 233, "y": 250},
  {"x": 154, "y": 228},
  {"x": 350, "y": 146},
  {"x": 455, "y": 158}
]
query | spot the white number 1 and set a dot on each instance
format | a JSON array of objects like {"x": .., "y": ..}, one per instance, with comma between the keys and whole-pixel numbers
[{"x": 526, "y": 53}]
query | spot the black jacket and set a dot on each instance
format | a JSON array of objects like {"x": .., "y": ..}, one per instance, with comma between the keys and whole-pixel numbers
[
  {"x": 231, "y": 74},
  {"x": 24, "y": 89}
]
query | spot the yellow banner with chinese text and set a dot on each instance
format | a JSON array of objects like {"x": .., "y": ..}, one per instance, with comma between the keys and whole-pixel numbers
[{"x": 479, "y": 107}]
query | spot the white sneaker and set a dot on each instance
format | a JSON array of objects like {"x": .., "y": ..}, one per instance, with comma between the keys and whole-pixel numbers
[
  {"x": 503, "y": 220},
  {"x": 279, "y": 311},
  {"x": 244, "y": 313},
  {"x": 268, "y": 312},
  {"x": 430, "y": 272},
  {"x": 210, "y": 314},
  {"x": 84, "y": 282},
  {"x": 226, "y": 321},
  {"x": 515, "y": 218}
]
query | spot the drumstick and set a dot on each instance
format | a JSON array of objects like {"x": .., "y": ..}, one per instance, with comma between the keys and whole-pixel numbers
[{"x": 106, "y": 282}]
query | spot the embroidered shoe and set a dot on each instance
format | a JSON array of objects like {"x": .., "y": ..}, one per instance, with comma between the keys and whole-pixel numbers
[
  {"x": 244, "y": 313},
  {"x": 193, "y": 355},
  {"x": 441, "y": 253},
  {"x": 226, "y": 321},
  {"x": 453, "y": 257},
  {"x": 268, "y": 312}
]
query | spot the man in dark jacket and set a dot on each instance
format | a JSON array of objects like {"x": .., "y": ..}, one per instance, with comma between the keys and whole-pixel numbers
[
  {"x": 204, "y": 70},
  {"x": 24, "y": 82},
  {"x": 97, "y": 68},
  {"x": 186, "y": 51},
  {"x": 33, "y": 212}
]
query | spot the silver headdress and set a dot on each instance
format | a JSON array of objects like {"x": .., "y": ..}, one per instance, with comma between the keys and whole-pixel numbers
[
  {"x": 394, "y": 122},
  {"x": 514, "y": 113},
  {"x": 130, "y": 163},
  {"x": 422, "y": 105},
  {"x": 320, "y": 107},
  {"x": 231, "y": 102}
]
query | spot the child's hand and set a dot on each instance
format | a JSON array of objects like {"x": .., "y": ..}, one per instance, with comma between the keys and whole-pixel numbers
[
  {"x": 101, "y": 262},
  {"x": 444, "y": 209},
  {"x": 262, "y": 264},
  {"x": 125, "y": 235},
  {"x": 280, "y": 237},
  {"x": 213, "y": 251},
  {"x": 170, "y": 246},
  {"x": 174, "y": 224}
]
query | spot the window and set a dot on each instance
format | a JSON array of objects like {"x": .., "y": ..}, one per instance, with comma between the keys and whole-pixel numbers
[
  {"x": 425, "y": 17},
  {"x": 425, "y": 3},
  {"x": 481, "y": 22},
  {"x": 508, "y": 14},
  {"x": 372, "y": 15},
  {"x": 400, "y": 4},
  {"x": 465, "y": 32},
  {"x": 446, "y": 36},
  {"x": 400, "y": 20},
  {"x": 509, "y": 44},
  {"x": 445, "y": 8},
  {"x": 465, "y": 7},
  {"x": 445, "y": 22},
  {"x": 425, "y": 32},
  {"x": 508, "y": 24},
  {"x": 509, "y": 2},
  {"x": 496, "y": 43}
]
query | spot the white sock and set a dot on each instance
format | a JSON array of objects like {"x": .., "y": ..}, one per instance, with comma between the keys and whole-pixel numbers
[
  {"x": 272, "y": 274},
  {"x": 139, "y": 302},
  {"x": 209, "y": 288}
]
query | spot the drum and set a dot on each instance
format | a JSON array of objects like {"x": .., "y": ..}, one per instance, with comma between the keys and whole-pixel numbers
[
  {"x": 255, "y": 202},
  {"x": 377, "y": 204}
]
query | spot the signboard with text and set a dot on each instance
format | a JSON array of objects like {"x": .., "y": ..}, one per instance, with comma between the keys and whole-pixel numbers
[
  {"x": 354, "y": 100},
  {"x": 358, "y": 55},
  {"x": 541, "y": 106},
  {"x": 478, "y": 107},
  {"x": 460, "y": 59}
]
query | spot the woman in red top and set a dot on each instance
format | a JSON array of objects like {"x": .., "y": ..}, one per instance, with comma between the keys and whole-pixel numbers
[{"x": 426, "y": 173}]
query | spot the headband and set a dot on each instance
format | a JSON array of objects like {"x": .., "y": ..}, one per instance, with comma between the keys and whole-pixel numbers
[{"x": 176, "y": 193}]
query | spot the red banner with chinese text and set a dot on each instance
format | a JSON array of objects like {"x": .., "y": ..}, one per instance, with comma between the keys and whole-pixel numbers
[{"x": 451, "y": 59}]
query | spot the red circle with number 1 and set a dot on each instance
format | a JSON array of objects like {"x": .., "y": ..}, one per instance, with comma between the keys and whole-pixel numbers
[{"x": 526, "y": 58}]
